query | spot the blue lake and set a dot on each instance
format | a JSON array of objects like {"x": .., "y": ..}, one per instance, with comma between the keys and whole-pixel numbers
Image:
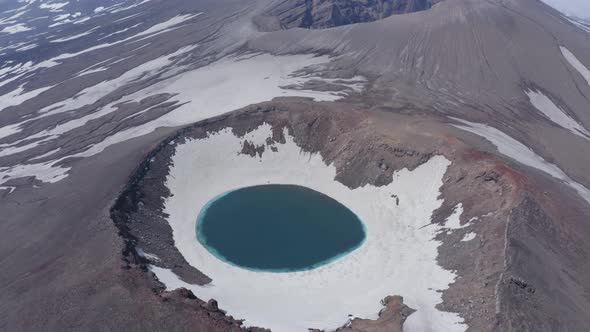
[{"x": 278, "y": 228}]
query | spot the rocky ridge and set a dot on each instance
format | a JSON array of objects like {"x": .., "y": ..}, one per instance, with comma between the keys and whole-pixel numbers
[{"x": 320, "y": 14}]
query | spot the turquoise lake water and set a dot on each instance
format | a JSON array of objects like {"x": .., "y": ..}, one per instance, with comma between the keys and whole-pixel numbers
[{"x": 278, "y": 228}]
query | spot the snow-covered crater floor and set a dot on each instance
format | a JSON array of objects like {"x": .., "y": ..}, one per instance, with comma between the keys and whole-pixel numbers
[{"x": 398, "y": 256}]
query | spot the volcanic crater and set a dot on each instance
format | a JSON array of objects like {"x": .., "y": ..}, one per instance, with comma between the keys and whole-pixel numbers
[{"x": 460, "y": 216}]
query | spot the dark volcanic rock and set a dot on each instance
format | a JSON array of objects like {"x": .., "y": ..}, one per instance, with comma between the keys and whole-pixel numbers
[
  {"x": 212, "y": 305},
  {"x": 391, "y": 318},
  {"x": 544, "y": 264},
  {"x": 252, "y": 150},
  {"x": 319, "y": 14},
  {"x": 183, "y": 292}
]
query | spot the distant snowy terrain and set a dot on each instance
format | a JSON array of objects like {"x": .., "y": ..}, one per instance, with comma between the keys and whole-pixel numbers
[{"x": 575, "y": 8}]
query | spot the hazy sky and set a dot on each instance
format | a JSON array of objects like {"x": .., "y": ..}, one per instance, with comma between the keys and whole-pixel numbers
[{"x": 579, "y": 8}]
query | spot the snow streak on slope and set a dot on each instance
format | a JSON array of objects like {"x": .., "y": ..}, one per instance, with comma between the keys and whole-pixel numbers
[
  {"x": 68, "y": 38},
  {"x": 96, "y": 92},
  {"x": 15, "y": 28},
  {"x": 166, "y": 26},
  {"x": 579, "y": 66},
  {"x": 556, "y": 114},
  {"x": 398, "y": 256},
  {"x": 579, "y": 23},
  {"x": 513, "y": 149},
  {"x": 18, "y": 96},
  {"x": 468, "y": 237}
]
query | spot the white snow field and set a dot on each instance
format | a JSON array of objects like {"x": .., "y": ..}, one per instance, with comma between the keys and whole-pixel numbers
[
  {"x": 556, "y": 114},
  {"x": 223, "y": 86},
  {"x": 398, "y": 256}
]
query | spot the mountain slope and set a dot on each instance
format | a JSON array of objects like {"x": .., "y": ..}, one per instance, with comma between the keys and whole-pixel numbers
[{"x": 91, "y": 91}]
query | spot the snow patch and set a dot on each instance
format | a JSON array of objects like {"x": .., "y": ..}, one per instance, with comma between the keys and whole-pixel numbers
[
  {"x": 556, "y": 114},
  {"x": 13, "y": 148},
  {"x": 47, "y": 154},
  {"x": 46, "y": 172},
  {"x": 166, "y": 26},
  {"x": 144, "y": 254},
  {"x": 170, "y": 280},
  {"x": 10, "y": 130},
  {"x": 120, "y": 31},
  {"x": 454, "y": 220},
  {"x": 468, "y": 237},
  {"x": 577, "y": 64},
  {"x": 16, "y": 28},
  {"x": 92, "y": 71},
  {"x": 65, "y": 39},
  {"x": 19, "y": 96},
  {"x": 163, "y": 27},
  {"x": 53, "y": 7},
  {"x": 9, "y": 188},
  {"x": 26, "y": 48}
]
